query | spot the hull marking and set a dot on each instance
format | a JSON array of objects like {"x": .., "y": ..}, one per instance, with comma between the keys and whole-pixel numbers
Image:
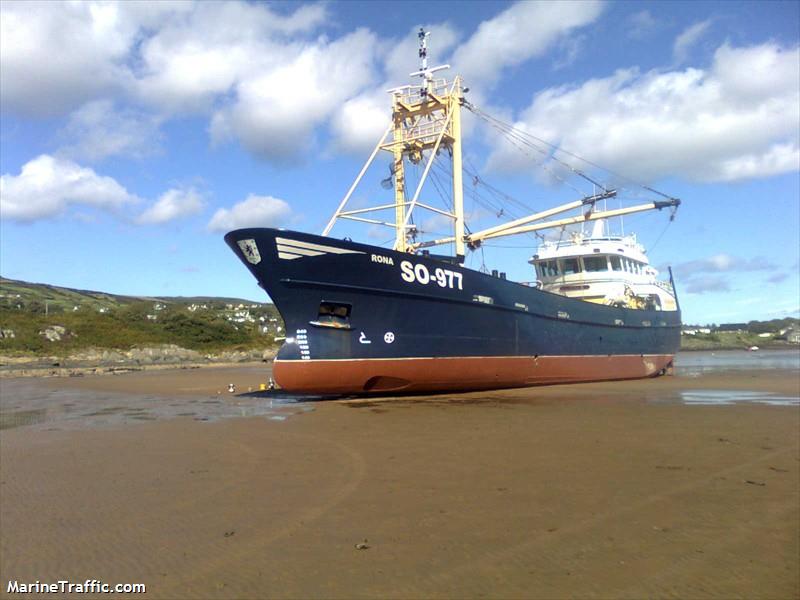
[
  {"x": 291, "y": 249},
  {"x": 250, "y": 251}
]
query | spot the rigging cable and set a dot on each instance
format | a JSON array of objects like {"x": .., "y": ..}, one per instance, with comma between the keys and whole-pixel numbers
[
  {"x": 543, "y": 167},
  {"x": 514, "y": 133},
  {"x": 521, "y": 132}
]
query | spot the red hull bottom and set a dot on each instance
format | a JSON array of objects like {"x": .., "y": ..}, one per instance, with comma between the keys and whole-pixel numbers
[{"x": 459, "y": 374}]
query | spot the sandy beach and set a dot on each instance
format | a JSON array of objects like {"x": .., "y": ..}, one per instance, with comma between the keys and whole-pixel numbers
[{"x": 652, "y": 488}]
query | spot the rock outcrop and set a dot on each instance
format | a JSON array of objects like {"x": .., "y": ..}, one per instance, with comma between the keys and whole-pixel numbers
[{"x": 54, "y": 333}]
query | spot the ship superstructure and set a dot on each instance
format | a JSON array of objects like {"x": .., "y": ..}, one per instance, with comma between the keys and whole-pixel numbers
[
  {"x": 362, "y": 318},
  {"x": 602, "y": 268}
]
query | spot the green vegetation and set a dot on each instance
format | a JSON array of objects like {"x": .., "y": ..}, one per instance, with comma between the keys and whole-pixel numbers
[
  {"x": 773, "y": 325},
  {"x": 97, "y": 320},
  {"x": 722, "y": 340},
  {"x": 740, "y": 335}
]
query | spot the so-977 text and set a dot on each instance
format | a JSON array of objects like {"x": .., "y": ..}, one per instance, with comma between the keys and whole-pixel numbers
[{"x": 421, "y": 274}]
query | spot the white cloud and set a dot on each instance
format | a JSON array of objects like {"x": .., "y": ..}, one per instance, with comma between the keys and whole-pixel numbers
[
  {"x": 739, "y": 119},
  {"x": 276, "y": 112},
  {"x": 254, "y": 211},
  {"x": 54, "y": 56},
  {"x": 688, "y": 38},
  {"x": 363, "y": 118},
  {"x": 190, "y": 61},
  {"x": 47, "y": 185},
  {"x": 722, "y": 263},
  {"x": 173, "y": 204},
  {"x": 571, "y": 48},
  {"x": 263, "y": 74},
  {"x": 641, "y": 25},
  {"x": 522, "y": 31},
  {"x": 96, "y": 131},
  {"x": 707, "y": 284},
  {"x": 701, "y": 275}
]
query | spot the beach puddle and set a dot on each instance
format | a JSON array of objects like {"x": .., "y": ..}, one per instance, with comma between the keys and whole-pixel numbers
[
  {"x": 10, "y": 420},
  {"x": 28, "y": 404},
  {"x": 725, "y": 397}
]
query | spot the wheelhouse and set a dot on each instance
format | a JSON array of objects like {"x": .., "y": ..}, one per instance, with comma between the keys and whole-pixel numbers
[{"x": 611, "y": 270}]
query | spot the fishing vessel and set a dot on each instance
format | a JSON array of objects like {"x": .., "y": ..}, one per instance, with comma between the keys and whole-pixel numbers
[{"x": 365, "y": 319}]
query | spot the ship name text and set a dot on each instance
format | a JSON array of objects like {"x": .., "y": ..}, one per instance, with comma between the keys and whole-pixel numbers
[
  {"x": 384, "y": 260},
  {"x": 421, "y": 274}
]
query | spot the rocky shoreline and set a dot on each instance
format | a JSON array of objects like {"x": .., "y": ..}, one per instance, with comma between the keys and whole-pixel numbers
[{"x": 98, "y": 361}]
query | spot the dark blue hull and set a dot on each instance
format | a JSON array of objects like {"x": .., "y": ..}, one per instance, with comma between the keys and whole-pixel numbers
[{"x": 365, "y": 319}]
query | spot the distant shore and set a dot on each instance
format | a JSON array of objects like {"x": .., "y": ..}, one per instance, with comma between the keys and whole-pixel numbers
[{"x": 111, "y": 362}]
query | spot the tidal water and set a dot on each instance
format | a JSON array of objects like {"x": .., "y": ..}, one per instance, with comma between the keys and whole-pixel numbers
[
  {"x": 696, "y": 363},
  {"x": 27, "y": 402}
]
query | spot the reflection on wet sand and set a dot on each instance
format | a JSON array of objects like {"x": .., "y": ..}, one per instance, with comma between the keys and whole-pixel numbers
[
  {"x": 721, "y": 397},
  {"x": 680, "y": 486}
]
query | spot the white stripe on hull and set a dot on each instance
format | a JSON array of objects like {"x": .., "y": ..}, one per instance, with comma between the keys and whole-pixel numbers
[
  {"x": 309, "y": 246},
  {"x": 302, "y": 251}
]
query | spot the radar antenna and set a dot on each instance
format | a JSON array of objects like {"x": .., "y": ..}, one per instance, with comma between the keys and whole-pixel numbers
[{"x": 424, "y": 72}]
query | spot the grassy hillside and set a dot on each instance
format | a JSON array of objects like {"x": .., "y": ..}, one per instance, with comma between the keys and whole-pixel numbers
[
  {"x": 99, "y": 320},
  {"x": 727, "y": 340}
]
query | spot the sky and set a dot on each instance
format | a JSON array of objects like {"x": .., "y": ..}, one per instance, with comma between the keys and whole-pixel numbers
[{"x": 134, "y": 135}]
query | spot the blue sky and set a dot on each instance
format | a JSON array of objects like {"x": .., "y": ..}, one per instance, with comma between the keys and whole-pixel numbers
[{"x": 133, "y": 135}]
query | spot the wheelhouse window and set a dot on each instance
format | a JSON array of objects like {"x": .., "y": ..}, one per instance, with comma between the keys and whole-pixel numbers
[
  {"x": 570, "y": 266},
  {"x": 547, "y": 268},
  {"x": 616, "y": 263},
  {"x": 595, "y": 263}
]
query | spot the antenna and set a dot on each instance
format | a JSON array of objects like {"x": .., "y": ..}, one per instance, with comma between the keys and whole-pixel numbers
[
  {"x": 423, "y": 49},
  {"x": 424, "y": 71}
]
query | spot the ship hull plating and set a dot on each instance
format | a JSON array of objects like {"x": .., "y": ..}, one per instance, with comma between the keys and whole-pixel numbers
[{"x": 363, "y": 319}]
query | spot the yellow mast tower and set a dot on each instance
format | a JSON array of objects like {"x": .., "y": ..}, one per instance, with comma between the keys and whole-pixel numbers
[
  {"x": 427, "y": 118},
  {"x": 424, "y": 118}
]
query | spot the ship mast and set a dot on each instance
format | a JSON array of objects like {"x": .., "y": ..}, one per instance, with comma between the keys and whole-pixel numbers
[{"x": 426, "y": 118}]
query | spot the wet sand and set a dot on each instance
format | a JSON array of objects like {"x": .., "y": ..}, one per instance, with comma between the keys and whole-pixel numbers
[{"x": 607, "y": 490}]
